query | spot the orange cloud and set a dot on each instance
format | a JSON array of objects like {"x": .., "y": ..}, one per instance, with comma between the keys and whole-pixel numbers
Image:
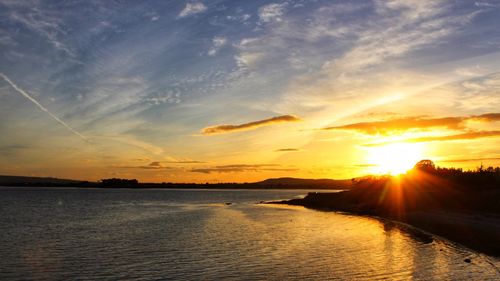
[
  {"x": 401, "y": 124},
  {"x": 409, "y": 123},
  {"x": 489, "y": 117},
  {"x": 186, "y": 162},
  {"x": 242, "y": 168},
  {"x": 286, "y": 150},
  {"x": 155, "y": 165},
  {"x": 470, "y": 160},
  {"x": 464, "y": 136},
  {"x": 220, "y": 129}
]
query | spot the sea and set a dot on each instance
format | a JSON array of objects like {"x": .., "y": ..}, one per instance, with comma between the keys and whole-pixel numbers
[{"x": 175, "y": 234}]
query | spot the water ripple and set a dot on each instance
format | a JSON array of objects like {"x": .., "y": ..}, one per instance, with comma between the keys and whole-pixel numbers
[{"x": 193, "y": 235}]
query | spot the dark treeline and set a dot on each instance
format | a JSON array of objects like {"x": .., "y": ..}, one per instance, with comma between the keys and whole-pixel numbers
[
  {"x": 481, "y": 178},
  {"x": 427, "y": 187},
  {"x": 427, "y": 174},
  {"x": 116, "y": 182}
]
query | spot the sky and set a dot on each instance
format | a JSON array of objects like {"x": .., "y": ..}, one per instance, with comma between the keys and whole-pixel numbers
[{"x": 241, "y": 91}]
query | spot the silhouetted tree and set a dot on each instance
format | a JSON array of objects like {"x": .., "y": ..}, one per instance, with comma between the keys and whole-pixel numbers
[{"x": 425, "y": 165}]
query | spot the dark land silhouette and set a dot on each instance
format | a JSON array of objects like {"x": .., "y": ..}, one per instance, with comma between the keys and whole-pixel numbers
[
  {"x": 463, "y": 206},
  {"x": 275, "y": 183},
  {"x": 43, "y": 182}
]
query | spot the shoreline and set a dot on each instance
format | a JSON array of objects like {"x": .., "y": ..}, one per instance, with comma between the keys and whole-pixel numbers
[
  {"x": 200, "y": 187},
  {"x": 477, "y": 231},
  {"x": 271, "y": 183}
]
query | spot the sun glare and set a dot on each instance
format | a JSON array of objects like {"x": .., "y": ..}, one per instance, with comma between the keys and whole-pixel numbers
[{"x": 394, "y": 158}]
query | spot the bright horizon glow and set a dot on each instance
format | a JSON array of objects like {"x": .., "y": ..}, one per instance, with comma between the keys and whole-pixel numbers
[{"x": 396, "y": 158}]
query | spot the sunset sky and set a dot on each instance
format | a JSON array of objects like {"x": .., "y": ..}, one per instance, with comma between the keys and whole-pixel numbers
[{"x": 217, "y": 91}]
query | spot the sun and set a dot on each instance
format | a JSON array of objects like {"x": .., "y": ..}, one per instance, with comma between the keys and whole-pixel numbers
[{"x": 395, "y": 158}]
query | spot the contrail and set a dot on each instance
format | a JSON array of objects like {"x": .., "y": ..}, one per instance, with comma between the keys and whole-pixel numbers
[{"x": 26, "y": 95}]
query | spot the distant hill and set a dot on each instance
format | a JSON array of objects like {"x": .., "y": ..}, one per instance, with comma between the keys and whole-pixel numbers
[
  {"x": 38, "y": 181},
  {"x": 274, "y": 183},
  {"x": 306, "y": 183}
]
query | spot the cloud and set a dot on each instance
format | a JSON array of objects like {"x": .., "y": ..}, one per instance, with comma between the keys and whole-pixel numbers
[
  {"x": 130, "y": 141},
  {"x": 485, "y": 4},
  {"x": 155, "y": 165},
  {"x": 369, "y": 66},
  {"x": 470, "y": 160},
  {"x": 247, "y": 59},
  {"x": 192, "y": 9},
  {"x": 220, "y": 129},
  {"x": 488, "y": 117},
  {"x": 286, "y": 149},
  {"x": 240, "y": 18},
  {"x": 7, "y": 40},
  {"x": 46, "y": 23},
  {"x": 390, "y": 37},
  {"x": 479, "y": 93},
  {"x": 186, "y": 162},
  {"x": 271, "y": 12},
  {"x": 470, "y": 71},
  {"x": 163, "y": 98},
  {"x": 11, "y": 150},
  {"x": 30, "y": 98},
  {"x": 217, "y": 43},
  {"x": 242, "y": 168},
  {"x": 365, "y": 165},
  {"x": 463, "y": 136},
  {"x": 411, "y": 123},
  {"x": 401, "y": 124}
]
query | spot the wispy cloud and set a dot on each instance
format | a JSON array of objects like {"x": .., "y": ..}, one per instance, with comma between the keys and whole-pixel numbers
[
  {"x": 217, "y": 43},
  {"x": 10, "y": 150},
  {"x": 402, "y": 124},
  {"x": 186, "y": 162},
  {"x": 219, "y": 129},
  {"x": 470, "y": 160},
  {"x": 487, "y": 4},
  {"x": 44, "y": 23},
  {"x": 130, "y": 141},
  {"x": 30, "y": 98},
  {"x": 410, "y": 123},
  {"x": 488, "y": 117},
  {"x": 392, "y": 37},
  {"x": 286, "y": 150},
  {"x": 463, "y": 136},
  {"x": 192, "y": 9},
  {"x": 155, "y": 165},
  {"x": 243, "y": 168},
  {"x": 365, "y": 165},
  {"x": 376, "y": 58},
  {"x": 271, "y": 12}
]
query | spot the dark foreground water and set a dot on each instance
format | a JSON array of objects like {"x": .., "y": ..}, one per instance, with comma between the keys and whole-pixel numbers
[{"x": 96, "y": 234}]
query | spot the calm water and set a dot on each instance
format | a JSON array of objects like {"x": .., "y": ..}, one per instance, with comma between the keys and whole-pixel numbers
[{"x": 71, "y": 234}]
